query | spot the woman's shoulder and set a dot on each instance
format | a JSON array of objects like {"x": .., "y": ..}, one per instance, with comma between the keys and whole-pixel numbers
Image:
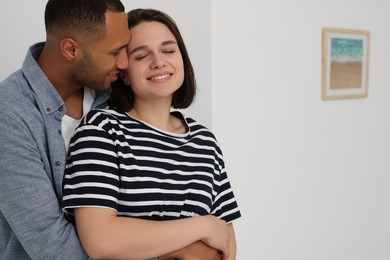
[
  {"x": 195, "y": 127},
  {"x": 99, "y": 116}
]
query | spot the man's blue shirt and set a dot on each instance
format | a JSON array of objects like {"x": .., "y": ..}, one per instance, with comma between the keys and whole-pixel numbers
[{"x": 32, "y": 161}]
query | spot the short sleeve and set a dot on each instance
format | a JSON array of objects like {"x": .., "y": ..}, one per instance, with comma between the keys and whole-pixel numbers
[{"x": 91, "y": 176}]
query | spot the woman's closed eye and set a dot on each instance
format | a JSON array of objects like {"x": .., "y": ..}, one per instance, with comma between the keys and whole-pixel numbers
[
  {"x": 141, "y": 56},
  {"x": 169, "y": 51}
]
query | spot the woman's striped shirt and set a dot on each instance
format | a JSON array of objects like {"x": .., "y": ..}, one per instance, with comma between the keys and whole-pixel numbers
[{"x": 127, "y": 165}]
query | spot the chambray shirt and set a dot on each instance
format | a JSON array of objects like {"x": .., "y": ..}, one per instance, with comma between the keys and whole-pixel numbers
[{"x": 32, "y": 161}]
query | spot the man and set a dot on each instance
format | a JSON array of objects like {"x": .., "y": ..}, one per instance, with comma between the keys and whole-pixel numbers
[
  {"x": 40, "y": 105},
  {"x": 85, "y": 46}
]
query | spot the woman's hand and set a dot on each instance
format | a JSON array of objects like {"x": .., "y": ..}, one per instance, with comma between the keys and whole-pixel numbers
[
  {"x": 218, "y": 235},
  {"x": 214, "y": 245}
]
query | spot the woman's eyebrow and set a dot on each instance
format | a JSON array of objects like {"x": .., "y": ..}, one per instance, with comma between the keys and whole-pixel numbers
[
  {"x": 138, "y": 48},
  {"x": 169, "y": 42},
  {"x": 143, "y": 47}
]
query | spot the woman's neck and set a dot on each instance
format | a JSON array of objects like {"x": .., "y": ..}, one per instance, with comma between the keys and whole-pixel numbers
[{"x": 158, "y": 116}]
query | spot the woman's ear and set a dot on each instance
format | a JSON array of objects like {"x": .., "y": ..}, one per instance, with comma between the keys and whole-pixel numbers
[{"x": 124, "y": 77}]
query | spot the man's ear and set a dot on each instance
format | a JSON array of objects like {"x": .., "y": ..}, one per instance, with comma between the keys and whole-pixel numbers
[{"x": 69, "y": 48}]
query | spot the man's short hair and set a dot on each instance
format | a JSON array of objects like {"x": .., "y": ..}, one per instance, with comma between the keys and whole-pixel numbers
[{"x": 79, "y": 17}]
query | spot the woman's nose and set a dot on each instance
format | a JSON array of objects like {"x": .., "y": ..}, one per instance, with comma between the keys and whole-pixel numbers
[{"x": 158, "y": 62}]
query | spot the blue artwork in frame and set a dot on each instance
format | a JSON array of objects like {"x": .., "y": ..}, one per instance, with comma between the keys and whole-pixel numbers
[{"x": 344, "y": 63}]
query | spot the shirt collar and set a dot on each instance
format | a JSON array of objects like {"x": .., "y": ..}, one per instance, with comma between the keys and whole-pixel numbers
[
  {"x": 40, "y": 84},
  {"x": 42, "y": 87}
]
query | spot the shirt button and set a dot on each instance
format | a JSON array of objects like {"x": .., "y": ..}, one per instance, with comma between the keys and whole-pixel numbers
[
  {"x": 58, "y": 163},
  {"x": 60, "y": 109},
  {"x": 59, "y": 131}
]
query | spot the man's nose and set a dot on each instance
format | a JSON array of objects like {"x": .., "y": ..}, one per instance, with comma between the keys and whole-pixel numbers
[{"x": 123, "y": 61}]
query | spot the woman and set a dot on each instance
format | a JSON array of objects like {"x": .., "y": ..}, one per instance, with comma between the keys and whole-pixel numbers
[{"x": 140, "y": 160}]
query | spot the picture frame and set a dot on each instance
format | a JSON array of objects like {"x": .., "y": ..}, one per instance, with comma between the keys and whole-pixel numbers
[{"x": 345, "y": 60}]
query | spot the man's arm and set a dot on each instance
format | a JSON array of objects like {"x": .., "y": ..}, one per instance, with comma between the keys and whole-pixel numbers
[{"x": 27, "y": 197}]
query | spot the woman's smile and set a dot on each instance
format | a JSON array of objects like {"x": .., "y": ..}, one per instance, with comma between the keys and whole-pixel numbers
[{"x": 160, "y": 77}]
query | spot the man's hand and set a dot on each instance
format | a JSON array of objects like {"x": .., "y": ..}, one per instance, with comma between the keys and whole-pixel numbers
[{"x": 195, "y": 251}]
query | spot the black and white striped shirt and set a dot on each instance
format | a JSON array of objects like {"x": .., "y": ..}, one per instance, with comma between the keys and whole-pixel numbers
[{"x": 122, "y": 163}]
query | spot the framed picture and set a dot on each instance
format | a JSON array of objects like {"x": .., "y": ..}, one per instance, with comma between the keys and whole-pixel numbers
[{"x": 345, "y": 55}]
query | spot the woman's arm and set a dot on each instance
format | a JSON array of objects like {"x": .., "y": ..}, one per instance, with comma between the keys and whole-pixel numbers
[
  {"x": 233, "y": 245},
  {"x": 195, "y": 251},
  {"x": 201, "y": 251},
  {"x": 104, "y": 235}
]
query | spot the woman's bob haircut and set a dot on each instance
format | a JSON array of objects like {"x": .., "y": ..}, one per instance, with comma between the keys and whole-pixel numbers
[{"x": 122, "y": 96}]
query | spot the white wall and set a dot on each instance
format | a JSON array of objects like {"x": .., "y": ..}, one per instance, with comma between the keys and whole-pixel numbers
[
  {"x": 21, "y": 24},
  {"x": 312, "y": 177}
]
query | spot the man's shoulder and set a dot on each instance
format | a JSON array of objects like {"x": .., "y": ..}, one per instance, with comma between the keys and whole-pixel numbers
[
  {"x": 15, "y": 92},
  {"x": 16, "y": 78},
  {"x": 17, "y": 81}
]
